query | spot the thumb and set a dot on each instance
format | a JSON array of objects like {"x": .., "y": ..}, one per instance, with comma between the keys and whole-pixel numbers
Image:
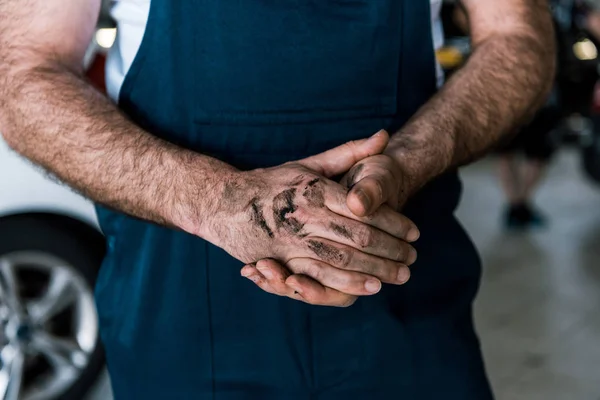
[
  {"x": 340, "y": 159},
  {"x": 369, "y": 193}
]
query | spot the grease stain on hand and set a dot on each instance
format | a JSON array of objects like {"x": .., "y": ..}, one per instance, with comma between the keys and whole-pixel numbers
[
  {"x": 283, "y": 205},
  {"x": 258, "y": 218},
  {"x": 325, "y": 251},
  {"x": 341, "y": 230},
  {"x": 314, "y": 194}
]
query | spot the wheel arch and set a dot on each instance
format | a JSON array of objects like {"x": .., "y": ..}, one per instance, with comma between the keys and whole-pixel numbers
[{"x": 87, "y": 231}]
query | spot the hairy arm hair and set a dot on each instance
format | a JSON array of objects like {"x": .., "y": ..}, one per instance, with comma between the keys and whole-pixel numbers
[
  {"x": 51, "y": 115},
  {"x": 506, "y": 79}
]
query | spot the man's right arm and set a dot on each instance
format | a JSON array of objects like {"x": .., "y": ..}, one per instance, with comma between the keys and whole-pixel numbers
[{"x": 51, "y": 115}]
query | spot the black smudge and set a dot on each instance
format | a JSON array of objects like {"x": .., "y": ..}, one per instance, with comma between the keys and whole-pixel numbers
[
  {"x": 325, "y": 251},
  {"x": 314, "y": 194},
  {"x": 341, "y": 230},
  {"x": 258, "y": 218},
  {"x": 283, "y": 204},
  {"x": 292, "y": 225}
]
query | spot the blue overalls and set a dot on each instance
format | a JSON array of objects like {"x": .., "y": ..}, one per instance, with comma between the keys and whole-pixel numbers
[{"x": 257, "y": 83}]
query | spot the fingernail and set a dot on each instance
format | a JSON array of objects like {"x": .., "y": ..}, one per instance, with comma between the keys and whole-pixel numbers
[
  {"x": 403, "y": 275},
  {"x": 364, "y": 199},
  {"x": 412, "y": 256},
  {"x": 413, "y": 235},
  {"x": 373, "y": 285},
  {"x": 378, "y": 133},
  {"x": 253, "y": 278},
  {"x": 245, "y": 272},
  {"x": 267, "y": 273}
]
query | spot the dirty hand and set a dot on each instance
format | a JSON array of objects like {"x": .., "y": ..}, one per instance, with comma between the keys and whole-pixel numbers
[
  {"x": 374, "y": 181},
  {"x": 373, "y": 246}
]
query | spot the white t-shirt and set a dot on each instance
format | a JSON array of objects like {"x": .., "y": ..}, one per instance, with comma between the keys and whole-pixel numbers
[{"x": 438, "y": 35}]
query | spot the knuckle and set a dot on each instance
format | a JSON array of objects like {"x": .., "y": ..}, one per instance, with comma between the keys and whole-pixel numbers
[
  {"x": 350, "y": 145},
  {"x": 365, "y": 237},
  {"x": 343, "y": 282},
  {"x": 403, "y": 252},
  {"x": 376, "y": 267},
  {"x": 301, "y": 213},
  {"x": 400, "y": 252},
  {"x": 345, "y": 257},
  {"x": 295, "y": 266},
  {"x": 315, "y": 272},
  {"x": 347, "y": 301}
]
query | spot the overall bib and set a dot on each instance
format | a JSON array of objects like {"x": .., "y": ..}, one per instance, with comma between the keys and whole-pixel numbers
[{"x": 257, "y": 83}]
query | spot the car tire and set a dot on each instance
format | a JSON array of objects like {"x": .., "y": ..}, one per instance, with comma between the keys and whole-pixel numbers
[{"x": 82, "y": 248}]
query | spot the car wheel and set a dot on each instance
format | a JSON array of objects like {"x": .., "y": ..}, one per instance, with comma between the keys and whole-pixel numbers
[{"x": 49, "y": 340}]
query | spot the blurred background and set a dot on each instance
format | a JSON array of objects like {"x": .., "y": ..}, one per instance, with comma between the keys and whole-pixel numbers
[{"x": 532, "y": 208}]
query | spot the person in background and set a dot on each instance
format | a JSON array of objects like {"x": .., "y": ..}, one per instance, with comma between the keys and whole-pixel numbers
[
  {"x": 522, "y": 163},
  {"x": 524, "y": 158}
]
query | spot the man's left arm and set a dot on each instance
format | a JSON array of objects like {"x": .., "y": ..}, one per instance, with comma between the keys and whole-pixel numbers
[
  {"x": 504, "y": 82},
  {"x": 506, "y": 79}
]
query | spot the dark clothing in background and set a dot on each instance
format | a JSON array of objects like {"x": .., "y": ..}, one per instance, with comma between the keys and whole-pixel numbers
[{"x": 535, "y": 140}]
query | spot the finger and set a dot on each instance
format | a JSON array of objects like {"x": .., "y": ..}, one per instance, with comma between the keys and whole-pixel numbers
[
  {"x": 340, "y": 159},
  {"x": 297, "y": 288},
  {"x": 348, "y": 258},
  {"x": 275, "y": 274},
  {"x": 363, "y": 237},
  {"x": 349, "y": 282},
  {"x": 270, "y": 276},
  {"x": 251, "y": 273},
  {"x": 384, "y": 218},
  {"x": 369, "y": 193},
  {"x": 319, "y": 294}
]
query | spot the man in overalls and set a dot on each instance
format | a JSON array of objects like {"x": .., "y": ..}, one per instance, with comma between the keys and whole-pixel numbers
[{"x": 193, "y": 170}]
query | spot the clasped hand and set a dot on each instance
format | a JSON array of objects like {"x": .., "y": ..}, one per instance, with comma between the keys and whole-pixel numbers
[{"x": 323, "y": 242}]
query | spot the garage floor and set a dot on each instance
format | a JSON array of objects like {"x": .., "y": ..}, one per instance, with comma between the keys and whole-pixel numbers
[{"x": 538, "y": 310}]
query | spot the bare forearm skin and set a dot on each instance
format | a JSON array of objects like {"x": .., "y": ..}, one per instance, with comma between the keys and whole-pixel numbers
[
  {"x": 50, "y": 115},
  {"x": 504, "y": 82}
]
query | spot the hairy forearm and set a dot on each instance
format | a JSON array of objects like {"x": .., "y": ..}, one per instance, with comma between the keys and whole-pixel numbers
[
  {"x": 51, "y": 116},
  {"x": 506, "y": 79}
]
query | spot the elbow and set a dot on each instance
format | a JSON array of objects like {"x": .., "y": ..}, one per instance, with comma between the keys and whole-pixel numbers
[{"x": 15, "y": 81}]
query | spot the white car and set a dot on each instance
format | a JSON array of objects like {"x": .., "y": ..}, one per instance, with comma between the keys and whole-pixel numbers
[{"x": 50, "y": 253}]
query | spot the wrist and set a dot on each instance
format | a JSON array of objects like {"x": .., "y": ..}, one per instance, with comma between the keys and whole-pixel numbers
[
  {"x": 420, "y": 155},
  {"x": 201, "y": 187}
]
